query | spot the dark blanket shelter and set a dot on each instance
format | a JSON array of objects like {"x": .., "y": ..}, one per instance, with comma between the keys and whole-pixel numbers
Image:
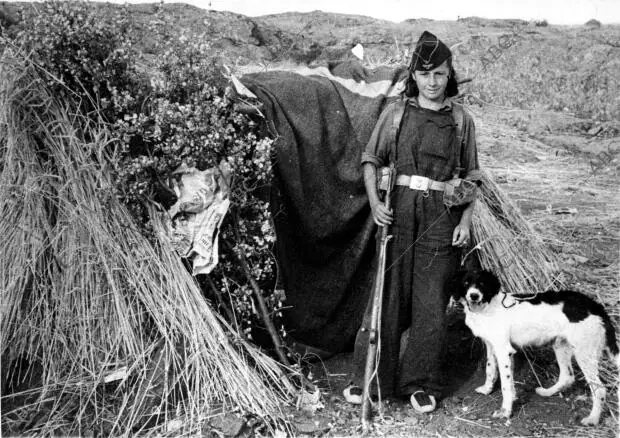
[{"x": 323, "y": 118}]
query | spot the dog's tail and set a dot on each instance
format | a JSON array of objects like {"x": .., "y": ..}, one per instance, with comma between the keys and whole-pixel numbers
[{"x": 610, "y": 337}]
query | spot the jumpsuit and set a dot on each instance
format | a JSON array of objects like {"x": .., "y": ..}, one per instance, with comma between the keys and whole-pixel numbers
[{"x": 420, "y": 259}]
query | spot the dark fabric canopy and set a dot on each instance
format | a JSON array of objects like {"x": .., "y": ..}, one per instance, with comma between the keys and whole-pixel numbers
[{"x": 323, "y": 118}]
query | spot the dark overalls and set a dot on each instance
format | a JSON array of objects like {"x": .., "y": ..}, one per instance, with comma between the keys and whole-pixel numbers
[{"x": 421, "y": 261}]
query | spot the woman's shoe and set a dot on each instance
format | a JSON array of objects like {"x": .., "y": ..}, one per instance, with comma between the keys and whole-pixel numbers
[
  {"x": 353, "y": 394},
  {"x": 423, "y": 402}
]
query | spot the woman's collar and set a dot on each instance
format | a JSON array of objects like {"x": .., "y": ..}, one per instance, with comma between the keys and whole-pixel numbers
[{"x": 447, "y": 103}]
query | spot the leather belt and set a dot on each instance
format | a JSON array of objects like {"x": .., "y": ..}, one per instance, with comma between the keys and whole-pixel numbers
[{"x": 416, "y": 182}]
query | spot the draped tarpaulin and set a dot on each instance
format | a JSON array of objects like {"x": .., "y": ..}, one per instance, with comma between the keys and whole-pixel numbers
[{"x": 323, "y": 118}]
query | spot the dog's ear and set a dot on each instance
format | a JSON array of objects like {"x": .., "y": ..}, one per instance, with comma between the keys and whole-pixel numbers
[
  {"x": 496, "y": 284},
  {"x": 457, "y": 288},
  {"x": 493, "y": 282}
]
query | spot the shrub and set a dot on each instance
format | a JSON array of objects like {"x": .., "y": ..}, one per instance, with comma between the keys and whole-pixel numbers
[
  {"x": 593, "y": 23},
  {"x": 84, "y": 55}
]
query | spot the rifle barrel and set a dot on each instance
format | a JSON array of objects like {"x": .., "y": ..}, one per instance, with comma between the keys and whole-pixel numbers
[{"x": 375, "y": 314}]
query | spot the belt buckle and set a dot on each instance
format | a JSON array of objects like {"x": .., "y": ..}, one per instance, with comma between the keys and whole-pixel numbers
[{"x": 419, "y": 183}]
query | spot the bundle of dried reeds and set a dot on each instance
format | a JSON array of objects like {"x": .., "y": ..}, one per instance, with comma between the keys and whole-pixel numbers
[
  {"x": 118, "y": 330},
  {"x": 508, "y": 245}
]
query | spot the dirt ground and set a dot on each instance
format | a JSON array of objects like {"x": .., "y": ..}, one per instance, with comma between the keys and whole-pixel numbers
[
  {"x": 562, "y": 173},
  {"x": 463, "y": 413}
]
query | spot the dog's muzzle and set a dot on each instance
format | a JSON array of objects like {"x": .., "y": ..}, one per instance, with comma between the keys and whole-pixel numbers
[{"x": 474, "y": 296}]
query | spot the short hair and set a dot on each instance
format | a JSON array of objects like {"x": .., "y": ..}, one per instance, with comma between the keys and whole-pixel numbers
[{"x": 452, "y": 88}]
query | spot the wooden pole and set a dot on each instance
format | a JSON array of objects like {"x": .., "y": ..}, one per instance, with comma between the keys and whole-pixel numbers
[{"x": 264, "y": 312}]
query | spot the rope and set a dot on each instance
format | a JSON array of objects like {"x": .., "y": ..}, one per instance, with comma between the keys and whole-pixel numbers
[{"x": 401, "y": 255}]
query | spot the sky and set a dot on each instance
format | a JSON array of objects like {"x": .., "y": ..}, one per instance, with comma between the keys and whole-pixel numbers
[{"x": 554, "y": 11}]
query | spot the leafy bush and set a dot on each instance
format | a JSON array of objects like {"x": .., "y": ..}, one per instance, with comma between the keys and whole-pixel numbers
[
  {"x": 84, "y": 56},
  {"x": 189, "y": 121},
  {"x": 165, "y": 113}
]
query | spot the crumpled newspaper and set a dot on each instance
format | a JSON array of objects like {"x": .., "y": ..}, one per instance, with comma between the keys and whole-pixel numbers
[{"x": 203, "y": 200}]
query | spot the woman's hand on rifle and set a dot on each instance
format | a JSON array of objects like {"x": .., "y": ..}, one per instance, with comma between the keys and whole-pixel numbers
[{"x": 381, "y": 214}]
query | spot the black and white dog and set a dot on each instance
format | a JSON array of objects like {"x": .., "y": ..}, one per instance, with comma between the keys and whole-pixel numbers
[{"x": 575, "y": 324}]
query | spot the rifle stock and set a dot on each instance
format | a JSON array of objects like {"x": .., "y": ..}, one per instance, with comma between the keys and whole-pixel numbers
[{"x": 377, "y": 300}]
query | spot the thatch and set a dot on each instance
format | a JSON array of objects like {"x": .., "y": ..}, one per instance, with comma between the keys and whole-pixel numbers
[
  {"x": 85, "y": 295},
  {"x": 507, "y": 244}
]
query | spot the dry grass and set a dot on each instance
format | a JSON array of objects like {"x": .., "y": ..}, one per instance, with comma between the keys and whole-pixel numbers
[{"x": 85, "y": 294}]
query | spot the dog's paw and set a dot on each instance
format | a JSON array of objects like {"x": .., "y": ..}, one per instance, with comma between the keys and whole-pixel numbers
[
  {"x": 544, "y": 392},
  {"x": 484, "y": 389},
  {"x": 502, "y": 413},
  {"x": 590, "y": 420}
]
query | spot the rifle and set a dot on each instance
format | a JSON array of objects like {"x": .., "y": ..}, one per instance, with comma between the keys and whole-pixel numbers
[{"x": 386, "y": 183}]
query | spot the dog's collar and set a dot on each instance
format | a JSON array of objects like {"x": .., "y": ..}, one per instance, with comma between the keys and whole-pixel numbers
[{"x": 509, "y": 300}]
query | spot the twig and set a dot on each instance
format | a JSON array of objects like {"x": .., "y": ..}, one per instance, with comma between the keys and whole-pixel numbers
[
  {"x": 259, "y": 297},
  {"x": 221, "y": 301},
  {"x": 471, "y": 422}
]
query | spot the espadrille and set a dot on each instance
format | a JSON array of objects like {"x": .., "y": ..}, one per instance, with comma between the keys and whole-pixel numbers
[
  {"x": 353, "y": 394},
  {"x": 423, "y": 402}
]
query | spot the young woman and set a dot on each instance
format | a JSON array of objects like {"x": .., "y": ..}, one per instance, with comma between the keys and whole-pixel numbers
[{"x": 424, "y": 251}]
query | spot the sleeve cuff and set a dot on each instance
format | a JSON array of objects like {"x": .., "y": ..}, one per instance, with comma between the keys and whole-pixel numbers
[
  {"x": 369, "y": 158},
  {"x": 474, "y": 175}
]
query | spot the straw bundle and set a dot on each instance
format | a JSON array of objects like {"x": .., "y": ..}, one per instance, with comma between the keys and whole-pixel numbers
[
  {"x": 508, "y": 245},
  {"x": 117, "y": 328}
]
